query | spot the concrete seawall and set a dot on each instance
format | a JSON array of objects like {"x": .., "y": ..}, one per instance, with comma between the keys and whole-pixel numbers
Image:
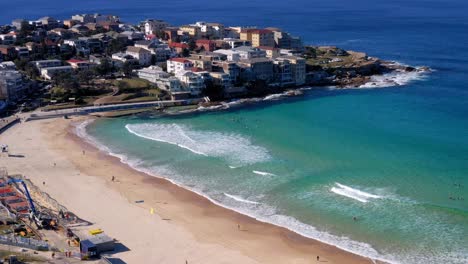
[{"x": 8, "y": 122}]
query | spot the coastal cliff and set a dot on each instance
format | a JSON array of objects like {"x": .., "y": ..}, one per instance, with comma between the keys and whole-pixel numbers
[{"x": 329, "y": 65}]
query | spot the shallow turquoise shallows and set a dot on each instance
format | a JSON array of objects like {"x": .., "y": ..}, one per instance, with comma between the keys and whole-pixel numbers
[{"x": 314, "y": 164}]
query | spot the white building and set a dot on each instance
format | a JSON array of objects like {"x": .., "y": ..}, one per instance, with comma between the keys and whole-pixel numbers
[
  {"x": 7, "y": 65},
  {"x": 298, "y": 68},
  {"x": 160, "y": 50},
  {"x": 222, "y": 79},
  {"x": 11, "y": 85},
  {"x": 234, "y": 43},
  {"x": 80, "y": 64},
  {"x": 133, "y": 35},
  {"x": 84, "y": 18},
  {"x": 246, "y": 52},
  {"x": 230, "y": 54},
  {"x": 192, "y": 82},
  {"x": 283, "y": 72},
  {"x": 47, "y": 63},
  {"x": 177, "y": 65},
  {"x": 152, "y": 25},
  {"x": 7, "y": 39},
  {"x": 242, "y": 53},
  {"x": 123, "y": 57},
  {"x": 48, "y": 73},
  {"x": 142, "y": 55},
  {"x": 164, "y": 80}
]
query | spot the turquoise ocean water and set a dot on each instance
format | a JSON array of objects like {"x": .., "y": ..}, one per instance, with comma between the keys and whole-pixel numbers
[
  {"x": 312, "y": 164},
  {"x": 396, "y": 158}
]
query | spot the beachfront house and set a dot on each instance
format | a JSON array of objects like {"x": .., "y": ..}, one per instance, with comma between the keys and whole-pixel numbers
[
  {"x": 143, "y": 56},
  {"x": 177, "y": 65},
  {"x": 162, "y": 79},
  {"x": 191, "y": 82},
  {"x": 47, "y": 63},
  {"x": 49, "y": 73}
]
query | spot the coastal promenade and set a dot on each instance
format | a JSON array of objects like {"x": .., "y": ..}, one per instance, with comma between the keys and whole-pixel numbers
[{"x": 107, "y": 108}]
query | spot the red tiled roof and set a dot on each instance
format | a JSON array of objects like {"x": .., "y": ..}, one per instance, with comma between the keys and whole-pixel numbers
[
  {"x": 178, "y": 45},
  {"x": 262, "y": 31},
  {"x": 150, "y": 36},
  {"x": 204, "y": 41},
  {"x": 195, "y": 69},
  {"x": 75, "y": 61},
  {"x": 182, "y": 60}
]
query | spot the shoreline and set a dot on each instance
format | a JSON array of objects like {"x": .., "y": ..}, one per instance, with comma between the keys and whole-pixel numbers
[
  {"x": 184, "y": 226},
  {"x": 75, "y": 135},
  {"x": 394, "y": 78}
]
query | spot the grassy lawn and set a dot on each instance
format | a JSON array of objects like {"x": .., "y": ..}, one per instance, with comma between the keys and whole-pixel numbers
[
  {"x": 134, "y": 83},
  {"x": 130, "y": 90},
  {"x": 330, "y": 57}
]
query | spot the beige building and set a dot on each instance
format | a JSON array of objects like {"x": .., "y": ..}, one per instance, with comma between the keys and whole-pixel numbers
[
  {"x": 201, "y": 63},
  {"x": 142, "y": 55},
  {"x": 258, "y": 37},
  {"x": 257, "y": 68},
  {"x": 298, "y": 68},
  {"x": 191, "y": 30},
  {"x": 271, "y": 52}
]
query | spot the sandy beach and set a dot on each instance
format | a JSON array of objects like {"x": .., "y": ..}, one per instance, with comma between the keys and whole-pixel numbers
[{"x": 185, "y": 227}]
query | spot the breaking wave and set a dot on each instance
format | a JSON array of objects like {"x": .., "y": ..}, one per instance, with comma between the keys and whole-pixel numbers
[
  {"x": 396, "y": 78},
  {"x": 352, "y": 193},
  {"x": 232, "y": 147},
  {"x": 263, "y": 173},
  {"x": 262, "y": 212},
  {"x": 240, "y": 199}
]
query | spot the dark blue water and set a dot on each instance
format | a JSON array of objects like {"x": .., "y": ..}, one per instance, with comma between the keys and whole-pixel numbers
[{"x": 408, "y": 145}]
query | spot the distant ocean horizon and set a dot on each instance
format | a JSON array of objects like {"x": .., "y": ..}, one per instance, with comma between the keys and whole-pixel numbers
[{"x": 394, "y": 158}]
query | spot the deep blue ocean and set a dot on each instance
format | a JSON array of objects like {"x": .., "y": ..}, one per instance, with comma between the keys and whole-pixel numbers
[{"x": 395, "y": 158}]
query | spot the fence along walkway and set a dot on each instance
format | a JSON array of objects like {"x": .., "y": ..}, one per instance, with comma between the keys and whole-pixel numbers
[{"x": 24, "y": 242}]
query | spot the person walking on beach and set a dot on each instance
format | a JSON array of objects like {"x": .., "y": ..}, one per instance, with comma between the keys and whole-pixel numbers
[
  {"x": 113, "y": 177},
  {"x": 238, "y": 227},
  {"x": 318, "y": 258}
]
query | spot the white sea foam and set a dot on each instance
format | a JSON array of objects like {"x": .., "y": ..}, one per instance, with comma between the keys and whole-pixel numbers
[
  {"x": 395, "y": 78},
  {"x": 232, "y": 147},
  {"x": 240, "y": 199},
  {"x": 263, "y": 173},
  {"x": 232, "y": 167},
  {"x": 265, "y": 213},
  {"x": 352, "y": 193},
  {"x": 274, "y": 96}
]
